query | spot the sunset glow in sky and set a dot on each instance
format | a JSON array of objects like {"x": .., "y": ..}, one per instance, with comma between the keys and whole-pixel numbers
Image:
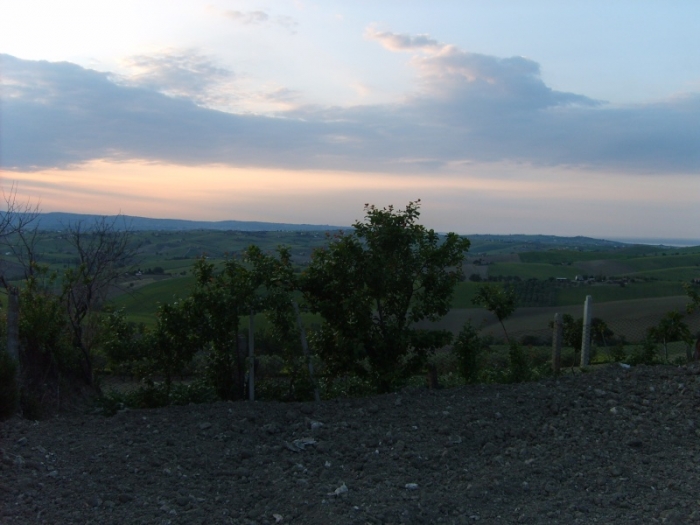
[{"x": 565, "y": 118}]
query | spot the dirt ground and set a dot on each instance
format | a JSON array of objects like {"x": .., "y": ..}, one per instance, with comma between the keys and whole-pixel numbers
[{"x": 611, "y": 446}]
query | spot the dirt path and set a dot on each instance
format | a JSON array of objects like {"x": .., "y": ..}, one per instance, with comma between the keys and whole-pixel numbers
[{"x": 613, "y": 446}]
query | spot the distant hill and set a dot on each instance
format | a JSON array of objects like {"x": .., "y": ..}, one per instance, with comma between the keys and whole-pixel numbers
[
  {"x": 57, "y": 221},
  {"x": 546, "y": 240}
]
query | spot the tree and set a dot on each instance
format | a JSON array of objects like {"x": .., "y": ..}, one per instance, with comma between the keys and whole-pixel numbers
[
  {"x": 501, "y": 301},
  {"x": 104, "y": 252},
  {"x": 219, "y": 300},
  {"x": 671, "y": 328},
  {"x": 276, "y": 284},
  {"x": 17, "y": 222},
  {"x": 374, "y": 284},
  {"x": 173, "y": 344},
  {"x": 694, "y": 297}
]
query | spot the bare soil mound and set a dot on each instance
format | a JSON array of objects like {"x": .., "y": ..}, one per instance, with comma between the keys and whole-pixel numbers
[{"x": 611, "y": 446}]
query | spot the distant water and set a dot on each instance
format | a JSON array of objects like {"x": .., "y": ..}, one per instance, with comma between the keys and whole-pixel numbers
[{"x": 680, "y": 243}]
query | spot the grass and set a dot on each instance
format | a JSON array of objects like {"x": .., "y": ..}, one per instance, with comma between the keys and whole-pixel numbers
[{"x": 141, "y": 304}]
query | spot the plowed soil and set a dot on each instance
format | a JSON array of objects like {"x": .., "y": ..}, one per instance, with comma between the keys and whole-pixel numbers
[{"x": 612, "y": 446}]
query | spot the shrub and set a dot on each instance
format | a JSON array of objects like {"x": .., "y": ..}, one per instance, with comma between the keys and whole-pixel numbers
[
  {"x": 646, "y": 354},
  {"x": 155, "y": 395},
  {"x": 468, "y": 349},
  {"x": 520, "y": 368}
]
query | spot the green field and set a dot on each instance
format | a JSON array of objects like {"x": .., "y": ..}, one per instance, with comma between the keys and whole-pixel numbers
[
  {"x": 610, "y": 292},
  {"x": 530, "y": 263},
  {"x": 531, "y": 270}
]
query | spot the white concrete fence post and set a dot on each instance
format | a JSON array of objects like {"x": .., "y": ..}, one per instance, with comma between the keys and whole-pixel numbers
[
  {"x": 251, "y": 357},
  {"x": 586, "y": 337}
]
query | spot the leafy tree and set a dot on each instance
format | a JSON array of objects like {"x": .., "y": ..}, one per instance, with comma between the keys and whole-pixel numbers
[
  {"x": 219, "y": 300},
  {"x": 501, "y": 301},
  {"x": 173, "y": 343},
  {"x": 694, "y": 297},
  {"x": 47, "y": 358},
  {"x": 276, "y": 286},
  {"x": 124, "y": 343},
  {"x": 374, "y": 284},
  {"x": 572, "y": 331},
  {"x": 255, "y": 283},
  {"x": 670, "y": 328}
]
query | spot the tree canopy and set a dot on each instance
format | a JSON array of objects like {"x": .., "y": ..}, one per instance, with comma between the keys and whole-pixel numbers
[{"x": 372, "y": 286}]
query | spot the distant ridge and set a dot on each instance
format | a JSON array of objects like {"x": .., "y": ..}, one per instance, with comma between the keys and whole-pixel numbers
[
  {"x": 548, "y": 240},
  {"x": 57, "y": 221}
]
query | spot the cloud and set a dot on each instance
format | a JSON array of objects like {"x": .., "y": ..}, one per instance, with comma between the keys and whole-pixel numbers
[
  {"x": 247, "y": 17},
  {"x": 466, "y": 108},
  {"x": 180, "y": 73},
  {"x": 403, "y": 42},
  {"x": 259, "y": 18}
]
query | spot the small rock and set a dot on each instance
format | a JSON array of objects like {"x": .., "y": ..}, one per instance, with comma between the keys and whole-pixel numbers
[
  {"x": 204, "y": 426},
  {"x": 22, "y": 441},
  {"x": 412, "y": 486},
  {"x": 340, "y": 490},
  {"x": 125, "y": 498}
]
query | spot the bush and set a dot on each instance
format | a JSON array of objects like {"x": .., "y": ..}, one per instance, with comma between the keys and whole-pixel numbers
[
  {"x": 520, "y": 368},
  {"x": 646, "y": 354},
  {"x": 468, "y": 349},
  {"x": 156, "y": 395}
]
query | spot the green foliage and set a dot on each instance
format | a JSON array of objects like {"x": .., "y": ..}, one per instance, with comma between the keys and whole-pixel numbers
[
  {"x": 9, "y": 389},
  {"x": 155, "y": 395},
  {"x": 468, "y": 347},
  {"x": 124, "y": 343},
  {"x": 645, "y": 354},
  {"x": 371, "y": 286},
  {"x": 173, "y": 342},
  {"x": 671, "y": 327},
  {"x": 617, "y": 353},
  {"x": 257, "y": 282},
  {"x": 498, "y": 300},
  {"x": 45, "y": 338},
  {"x": 520, "y": 366},
  {"x": 694, "y": 297}
]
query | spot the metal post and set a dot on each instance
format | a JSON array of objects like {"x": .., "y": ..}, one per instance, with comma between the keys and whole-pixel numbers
[{"x": 586, "y": 338}]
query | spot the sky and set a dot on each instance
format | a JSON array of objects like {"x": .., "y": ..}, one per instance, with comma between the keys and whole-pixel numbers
[{"x": 507, "y": 116}]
